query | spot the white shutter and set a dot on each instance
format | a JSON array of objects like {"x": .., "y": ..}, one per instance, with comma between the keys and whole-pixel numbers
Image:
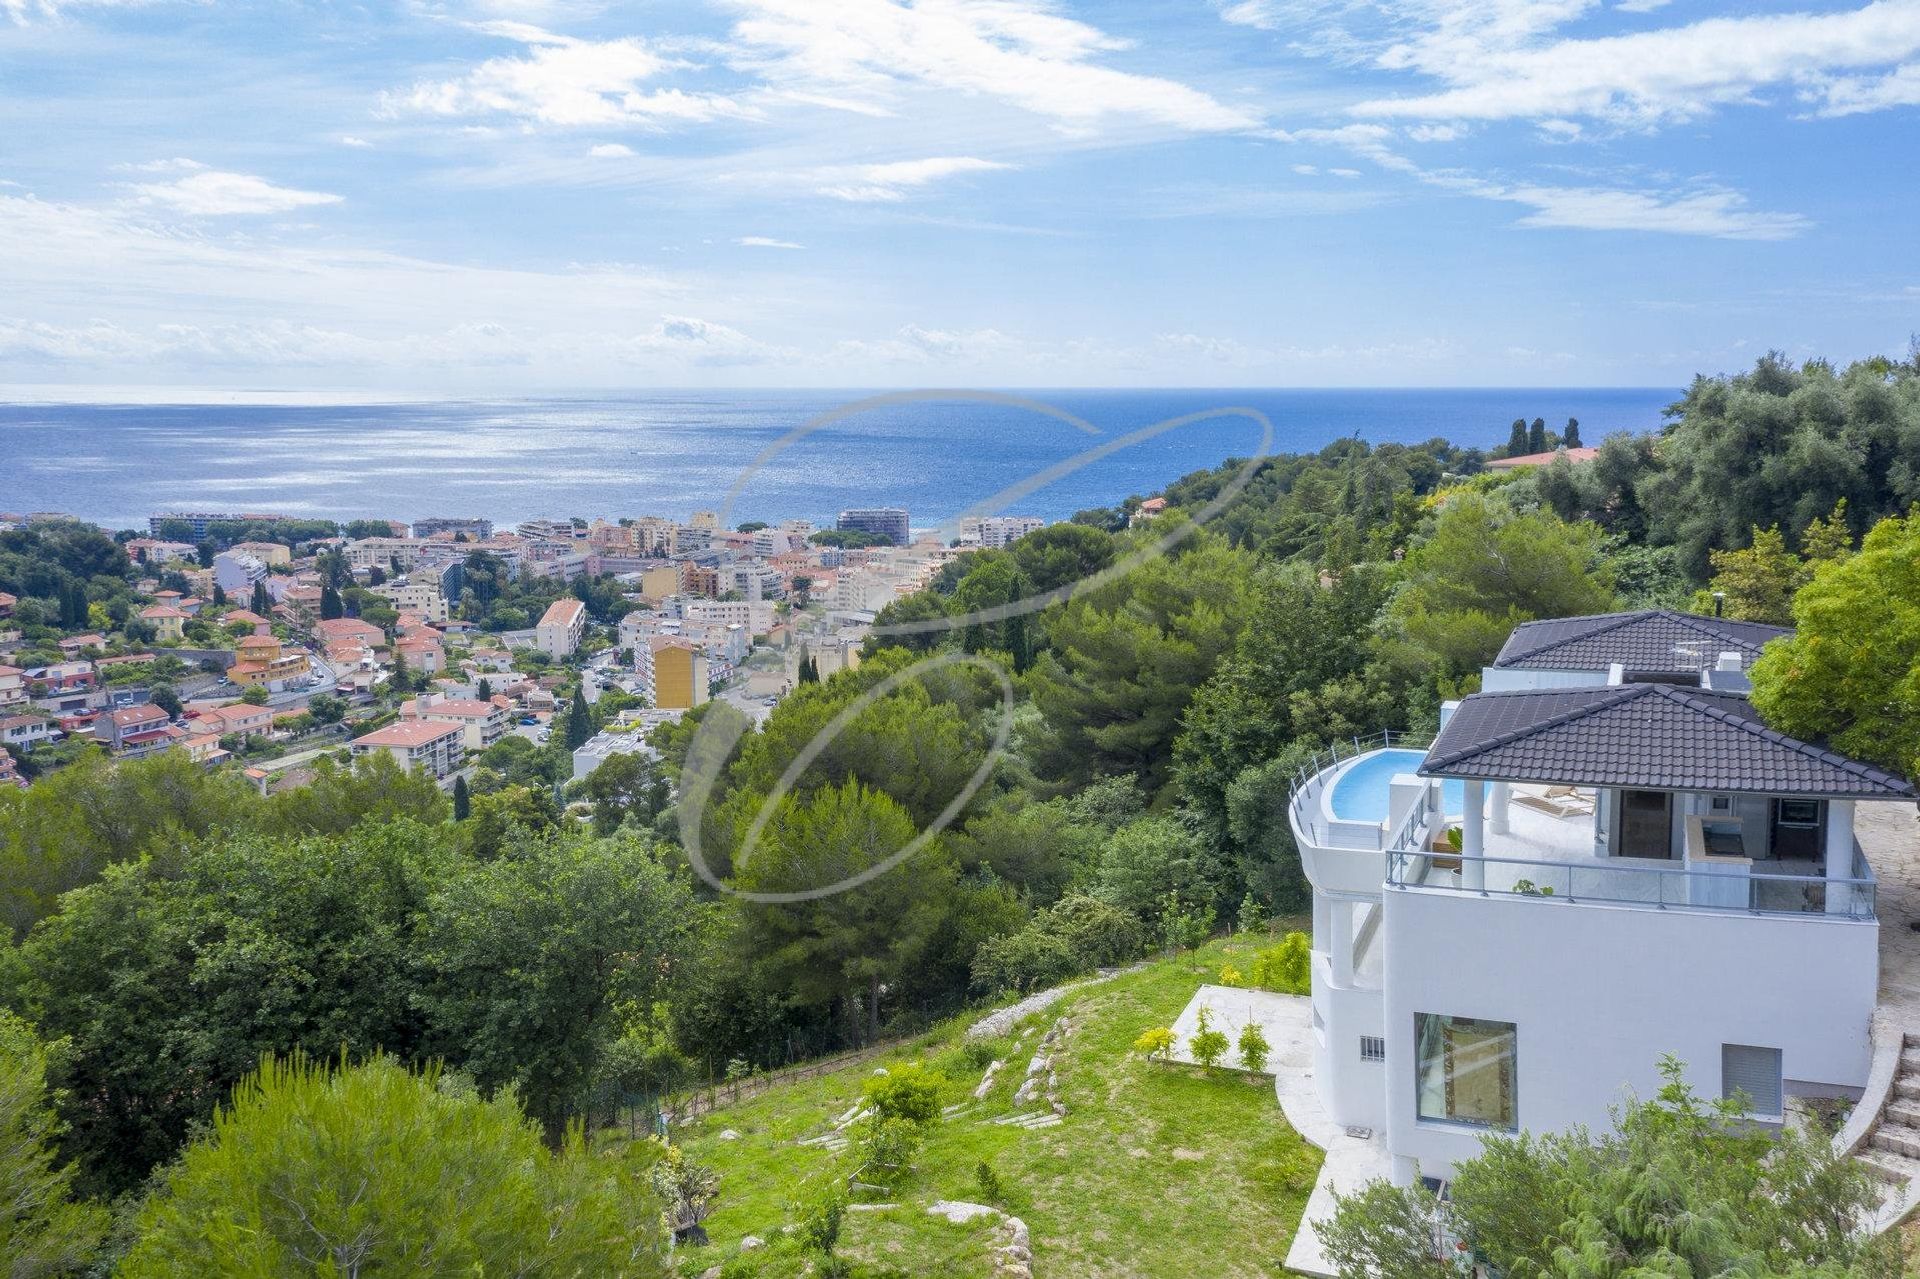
[{"x": 1753, "y": 1071}]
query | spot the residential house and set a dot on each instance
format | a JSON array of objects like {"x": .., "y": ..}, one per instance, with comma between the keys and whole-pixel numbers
[
  {"x": 9, "y": 772},
  {"x": 237, "y": 720},
  {"x": 261, "y": 660},
  {"x": 13, "y": 687},
  {"x": 349, "y": 630},
  {"x": 133, "y": 731},
  {"x": 560, "y": 627},
  {"x": 165, "y": 619},
  {"x": 1603, "y": 858},
  {"x": 429, "y": 744},
  {"x": 21, "y": 731},
  {"x": 1525, "y": 460}
]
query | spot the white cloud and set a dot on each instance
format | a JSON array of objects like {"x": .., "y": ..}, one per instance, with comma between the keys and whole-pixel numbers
[
  {"x": 1021, "y": 52},
  {"x": 348, "y": 140},
  {"x": 209, "y": 193},
  {"x": 894, "y": 180},
  {"x": 610, "y": 151},
  {"x": 1344, "y": 173},
  {"x": 1641, "y": 6},
  {"x": 1436, "y": 132},
  {"x": 1560, "y": 130},
  {"x": 1717, "y": 213},
  {"x": 1852, "y": 95},
  {"x": 566, "y": 82},
  {"x": 1306, "y": 170},
  {"x": 1497, "y": 64},
  {"x": 766, "y": 242}
]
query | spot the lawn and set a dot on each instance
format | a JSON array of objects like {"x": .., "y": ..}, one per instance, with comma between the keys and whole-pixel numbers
[{"x": 1156, "y": 1170}]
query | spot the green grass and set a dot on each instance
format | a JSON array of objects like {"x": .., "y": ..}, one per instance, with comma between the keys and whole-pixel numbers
[{"x": 1157, "y": 1170}]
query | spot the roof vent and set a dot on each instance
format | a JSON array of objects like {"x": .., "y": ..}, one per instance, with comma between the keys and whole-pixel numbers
[{"x": 1728, "y": 661}]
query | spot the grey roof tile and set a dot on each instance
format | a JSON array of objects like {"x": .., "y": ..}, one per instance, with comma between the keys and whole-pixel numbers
[
  {"x": 1656, "y": 639},
  {"x": 1651, "y": 736}
]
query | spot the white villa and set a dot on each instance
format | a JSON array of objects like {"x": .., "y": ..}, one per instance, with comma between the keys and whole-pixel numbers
[{"x": 1602, "y": 858}]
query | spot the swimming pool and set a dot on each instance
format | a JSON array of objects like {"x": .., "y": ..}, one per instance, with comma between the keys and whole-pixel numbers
[{"x": 1359, "y": 793}]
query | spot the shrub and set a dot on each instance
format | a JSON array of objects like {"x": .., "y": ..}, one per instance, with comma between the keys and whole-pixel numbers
[
  {"x": 1157, "y": 1041},
  {"x": 1253, "y": 916},
  {"x": 1208, "y": 1045},
  {"x": 1184, "y": 927},
  {"x": 1287, "y": 967},
  {"x": 1254, "y": 1047},
  {"x": 987, "y": 1184},
  {"x": 884, "y": 1149},
  {"x": 1028, "y": 960},
  {"x": 909, "y": 1091},
  {"x": 1231, "y": 976}
]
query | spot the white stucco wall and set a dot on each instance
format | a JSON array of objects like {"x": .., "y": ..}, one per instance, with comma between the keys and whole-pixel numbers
[{"x": 1598, "y": 994}]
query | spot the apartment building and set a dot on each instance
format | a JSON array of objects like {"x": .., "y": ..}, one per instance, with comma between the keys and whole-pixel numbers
[
  {"x": 432, "y": 745},
  {"x": 235, "y": 572},
  {"x": 559, "y": 630},
  {"x": 886, "y": 521},
  {"x": 481, "y": 723},
  {"x": 472, "y": 527},
  {"x": 995, "y": 531},
  {"x": 675, "y": 671}
]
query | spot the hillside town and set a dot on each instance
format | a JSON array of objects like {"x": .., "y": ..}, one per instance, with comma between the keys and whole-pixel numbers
[{"x": 269, "y": 643}]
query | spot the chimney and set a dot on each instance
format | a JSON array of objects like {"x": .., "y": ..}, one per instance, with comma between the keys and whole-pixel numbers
[{"x": 1719, "y": 603}]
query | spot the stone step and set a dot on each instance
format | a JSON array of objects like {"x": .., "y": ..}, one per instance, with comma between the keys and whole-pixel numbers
[
  {"x": 1023, "y": 1118},
  {"x": 1909, "y": 1061},
  {"x": 1907, "y": 1087},
  {"x": 1893, "y": 1169},
  {"x": 1043, "y": 1121},
  {"x": 1903, "y": 1110},
  {"x": 1896, "y": 1138}
]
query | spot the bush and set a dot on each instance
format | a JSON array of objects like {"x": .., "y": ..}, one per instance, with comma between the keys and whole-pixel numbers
[
  {"x": 1184, "y": 927},
  {"x": 1253, "y": 916},
  {"x": 1254, "y": 1048},
  {"x": 1286, "y": 968},
  {"x": 1208, "y": 1045},
  {"x": 1076, "y": 935},
  {"x": 884, "y": 1149},
  {"x": 1025, "y": 961},
  {"x": 910, "y": 1092},
  {"x": 1156, "y": 1041},
  {"x": 987, "y": 1184},
  {"x": 1099, "y": 934},
  {"x": 1231, "y": 976}
]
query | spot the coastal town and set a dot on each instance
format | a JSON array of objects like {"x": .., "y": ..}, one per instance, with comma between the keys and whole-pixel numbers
[{"x": 269, "y": 643}]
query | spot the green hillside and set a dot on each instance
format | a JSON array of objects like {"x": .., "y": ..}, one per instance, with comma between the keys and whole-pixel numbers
[{"x": 1154, "y": 1171}]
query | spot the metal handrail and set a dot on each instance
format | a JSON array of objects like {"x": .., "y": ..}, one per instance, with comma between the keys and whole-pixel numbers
[
  {"x": 1558, "y": 880},
  {"x": 1340, "y": 752}
]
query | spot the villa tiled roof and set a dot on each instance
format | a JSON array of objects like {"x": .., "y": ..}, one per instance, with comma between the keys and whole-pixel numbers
[
  {"x": 1643, "y": 736},
  {"x": 1652, "y": 639}
]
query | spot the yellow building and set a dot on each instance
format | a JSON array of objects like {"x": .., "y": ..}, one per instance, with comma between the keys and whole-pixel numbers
[
  {"x": 676, "y": 673},
  {"x": 658, "y": 583},
  {"x": 261, "y": 661}
]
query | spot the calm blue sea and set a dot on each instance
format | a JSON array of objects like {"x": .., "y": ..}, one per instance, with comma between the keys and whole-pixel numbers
[{"x": 676, "y": 452}]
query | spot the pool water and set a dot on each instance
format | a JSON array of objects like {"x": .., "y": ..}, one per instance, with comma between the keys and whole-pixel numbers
[{"x": 1360, "y": 793}]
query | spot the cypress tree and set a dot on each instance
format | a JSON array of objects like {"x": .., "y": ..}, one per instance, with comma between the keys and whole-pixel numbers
[
  {"x": 1537, "y": 436},
  {"x": 262, "y": 602},
  {"x": 1572, "y": 437},
  {"x": 1517, "y": 438},
  {"x": 462, "y": 804},
  {"x": 330, "y": 605}
]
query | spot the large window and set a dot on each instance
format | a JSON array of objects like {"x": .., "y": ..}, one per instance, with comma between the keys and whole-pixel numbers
[{"x": 1465, "y": 1070}]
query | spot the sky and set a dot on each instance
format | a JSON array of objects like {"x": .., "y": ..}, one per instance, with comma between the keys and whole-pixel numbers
[{"x": 448, "y": 197}]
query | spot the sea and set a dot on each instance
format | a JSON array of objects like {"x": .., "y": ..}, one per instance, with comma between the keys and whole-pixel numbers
[{"x": 750, "y": 455}]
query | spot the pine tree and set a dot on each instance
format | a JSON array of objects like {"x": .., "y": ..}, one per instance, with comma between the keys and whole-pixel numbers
[
  {"x": 579, "y": 722},
  {"x": 462, "y": 802},
  {"x": 1537, "y": 436},
  {"x": 1572, "y": 438}
]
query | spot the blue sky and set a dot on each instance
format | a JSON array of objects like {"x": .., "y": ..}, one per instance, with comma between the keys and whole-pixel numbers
[{"x": 501, "y": 196}]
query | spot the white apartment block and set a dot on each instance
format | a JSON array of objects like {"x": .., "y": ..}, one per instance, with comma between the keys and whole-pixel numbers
[
  {"x": 481, "y": 723},
  {"x": 996, "y": 531},
  {"x": 423, "y": 598},
  {"x": 429, "y": 745},
  {"x": 388, "y": 554},
  {"x": 1642, "y": 868},
  {"x": 560, "y": 627}
]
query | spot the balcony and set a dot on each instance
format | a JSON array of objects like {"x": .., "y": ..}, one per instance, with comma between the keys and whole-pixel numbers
[
  {"x": 1552, "y": 858},
  {"x": 1341, "y": 806}
]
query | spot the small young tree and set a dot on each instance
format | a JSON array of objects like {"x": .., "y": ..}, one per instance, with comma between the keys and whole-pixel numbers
[
  {"x": 1155, "y": 1041},
  {"x": 1208, "y": 1045},
  {"x": 1252, "y": 916},
  {"x": 1254, "y": 1047}
]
